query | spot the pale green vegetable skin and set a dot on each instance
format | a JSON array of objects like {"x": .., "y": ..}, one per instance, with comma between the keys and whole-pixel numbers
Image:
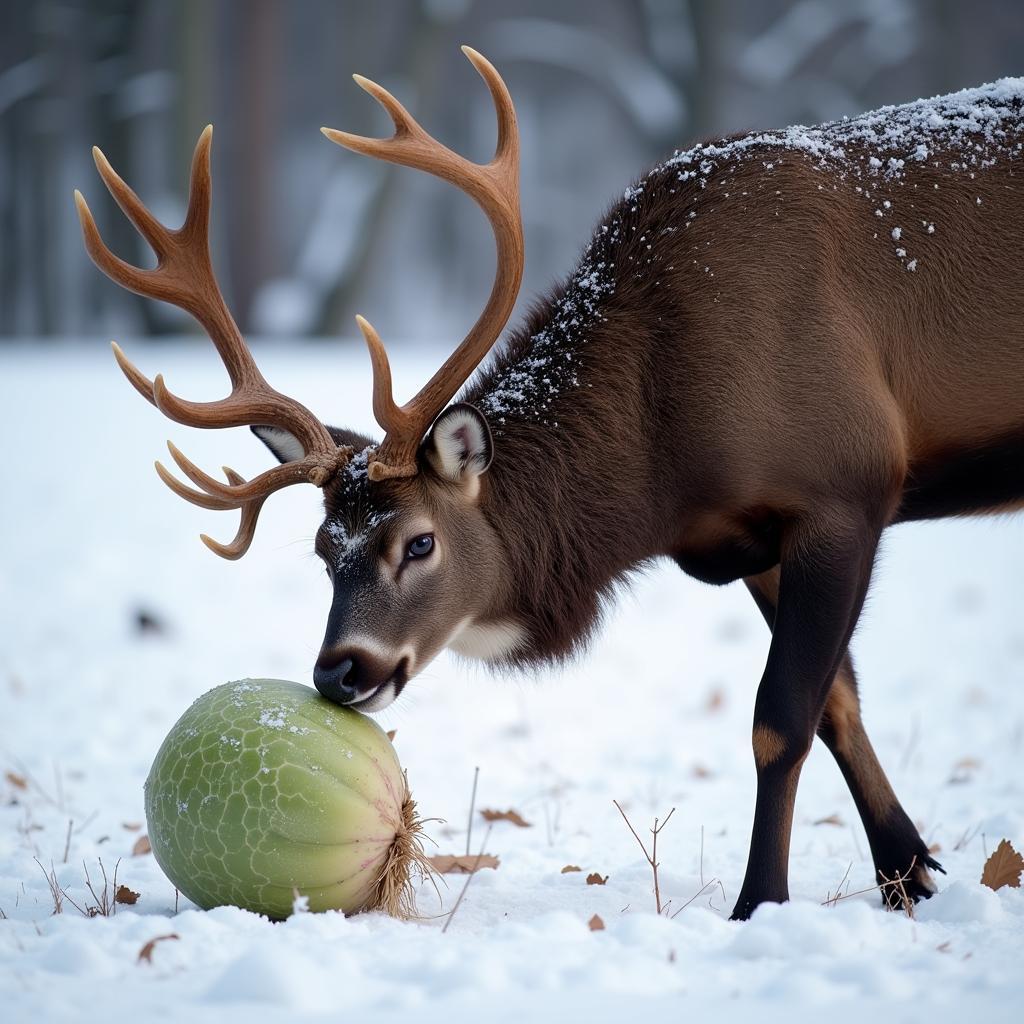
[{"x": 263, "y": 787}]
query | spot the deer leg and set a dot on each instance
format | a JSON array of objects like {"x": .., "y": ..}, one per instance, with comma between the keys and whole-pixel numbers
[
  {"x": 822, "y": 579},
  {"x": 896, "y": 847}
]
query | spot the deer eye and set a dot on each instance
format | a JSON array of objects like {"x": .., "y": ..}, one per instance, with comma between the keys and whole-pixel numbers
[{"x": 421, "y": 546}]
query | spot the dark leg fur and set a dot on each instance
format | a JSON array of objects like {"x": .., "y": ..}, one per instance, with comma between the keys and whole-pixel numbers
[
  {"x": 823, "y": 577},
  {"x": 897, "y": 849}
]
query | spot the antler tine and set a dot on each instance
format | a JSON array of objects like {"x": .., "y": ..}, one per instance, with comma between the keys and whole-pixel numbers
[
  {"x": 404, "y": 122},
  {"x": 386, "y": 412},
  {"x": 507, "y": 149},
  {"x": 243, "y": 538},
  {"x": 195, "y": 497},
  {"x": 250, "y": 511},
  {"x": 495, "y": 188},
  {"x": 136, "y": 378},
  {"x": 132, "y": 278},
  {"x": 200, "y": 189},
  {"x": 148, "y": 226},
  {"x": 247, "y": 495},
  {"x": 246, "y": 528}
]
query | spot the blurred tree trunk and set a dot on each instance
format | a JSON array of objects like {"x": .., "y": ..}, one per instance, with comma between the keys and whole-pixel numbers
[
  {"x": 22, "y": 71},
  {"x": 417, "y": 48},
  {"x": 113, "y": 50},
  {"x": 709, "y": 20},
  {"x": 252, "y": 226}
]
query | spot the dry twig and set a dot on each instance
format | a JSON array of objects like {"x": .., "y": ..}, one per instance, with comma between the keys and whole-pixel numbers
[
  {"x": 829, "y": 898},
  {"x": 472, "y": 804},
  {"x": 652, "y": 857},
  {"x": 469, "y": 878},
  {"x": 700, "y": 892},
  {"x": 966, "y": 838},
  {"x": 894, "y": 892},
  {"x": 55, "y": 890}
]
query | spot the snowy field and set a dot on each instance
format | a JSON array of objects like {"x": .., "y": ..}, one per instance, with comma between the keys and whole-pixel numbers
[{"x": 656, "y": 716}]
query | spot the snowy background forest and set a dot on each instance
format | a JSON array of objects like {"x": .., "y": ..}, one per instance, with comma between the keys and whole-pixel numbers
[
  {"x": 305, "y": 234},
  {"x": 113, "y": 616}
]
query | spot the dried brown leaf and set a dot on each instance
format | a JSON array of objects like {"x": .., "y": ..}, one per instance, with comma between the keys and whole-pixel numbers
[
  {"x": 391, "y": 734},
  {"x": 935, "y": 848},
  {"x": 131, "y": 826},
  {"x": 16, "y": 780},
  {"x": 1004, "y": 867},
  {"x": 700, "y": 772},
  {"x": 514, "y": 816},
  {"x": 126, "y": 895},
  {"x": 461, "y": 864},
  {"x": 595, "y": 924},
  {"x": 715, "y": 701},
  {"x": 832, "y": 819},
  {"x": 571, "y": 867},
  {"x": 141, "y": 846},
  {"x": 146, "y": 953},
  {"x": 595, "y": 879}
]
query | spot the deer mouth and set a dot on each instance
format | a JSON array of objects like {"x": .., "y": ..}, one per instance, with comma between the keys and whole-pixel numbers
[{"x": 386, "y": 693}]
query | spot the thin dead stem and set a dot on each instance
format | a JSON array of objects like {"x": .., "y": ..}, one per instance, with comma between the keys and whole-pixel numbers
[
  {"x": 966, "y": 838},
  {"x": 700, "y": 892},
  {"x": 897, "y": 891},
  {"x": 56, "y": 892},
  {"x": 472, "y": 805},
  {"x": 104, "y": 902},
  {"x": 702, "y": 857},
  {"x": 652, "y": 857},
  {"x": 893, "y": 890},
  {"x": 469, "y": 878},
  {"x": 842, "y": 881}
]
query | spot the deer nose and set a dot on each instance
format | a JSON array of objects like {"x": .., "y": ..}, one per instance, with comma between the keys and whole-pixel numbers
[{"x": 334, "y": 677}]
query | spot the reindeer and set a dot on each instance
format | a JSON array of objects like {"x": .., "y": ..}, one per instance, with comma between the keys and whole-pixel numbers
[{"x": 773, "y": 347}]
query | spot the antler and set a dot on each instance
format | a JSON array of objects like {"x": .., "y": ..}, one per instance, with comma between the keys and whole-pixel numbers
[
  {"x": 495, "y": 187},
  {"x": 184, "y": 276}
]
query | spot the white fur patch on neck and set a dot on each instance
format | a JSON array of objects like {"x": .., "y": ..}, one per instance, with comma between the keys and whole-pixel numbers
[{"x": 486, "y": 641}]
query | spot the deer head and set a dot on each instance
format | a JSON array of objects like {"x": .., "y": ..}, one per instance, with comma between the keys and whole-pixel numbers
[{"x": 414, "y": 562}]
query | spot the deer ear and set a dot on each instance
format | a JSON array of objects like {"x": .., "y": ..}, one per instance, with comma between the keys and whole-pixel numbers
[
  {"x": 459, "y": 445},
  {"x": 285, "y": 446}
]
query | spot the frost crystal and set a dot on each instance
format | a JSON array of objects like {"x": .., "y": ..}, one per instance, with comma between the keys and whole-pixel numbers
[{"x": 273, "y": 718}]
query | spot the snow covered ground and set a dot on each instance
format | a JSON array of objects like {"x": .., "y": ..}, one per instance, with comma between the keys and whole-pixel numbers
[{"x": 657, "y": 716}]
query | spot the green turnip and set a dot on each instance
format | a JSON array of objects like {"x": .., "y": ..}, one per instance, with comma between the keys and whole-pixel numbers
[{"x": 264, "y": 791}]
